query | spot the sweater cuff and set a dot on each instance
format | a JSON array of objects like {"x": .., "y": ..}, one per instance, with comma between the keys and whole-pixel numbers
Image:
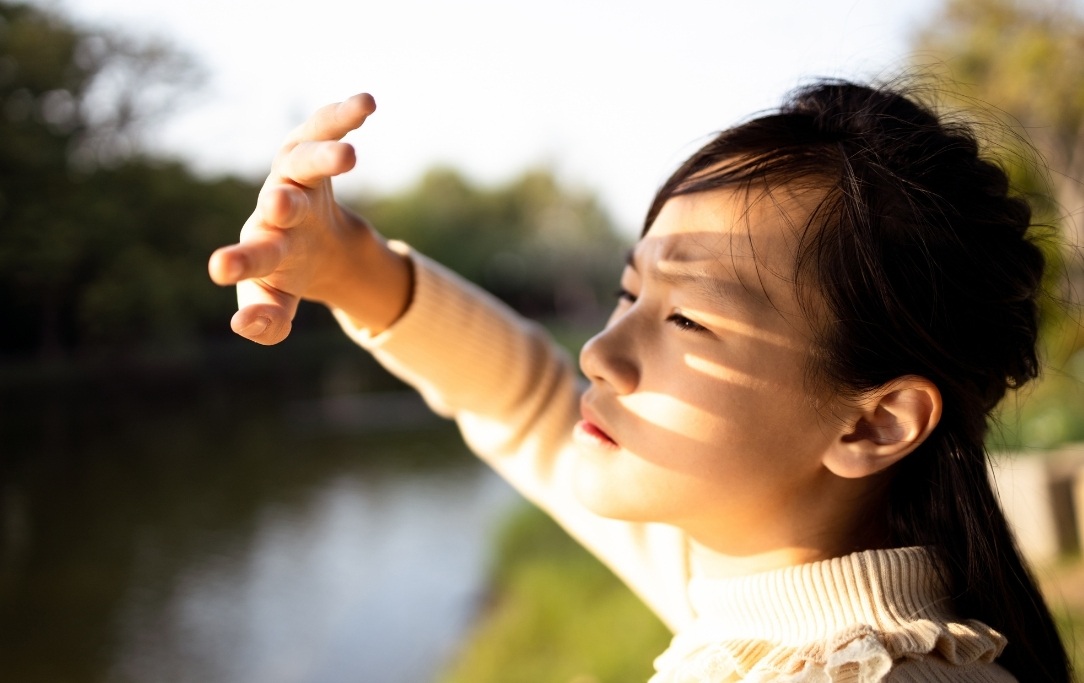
[
  {"x": 440, "y": 300},
  {"x": 455, "y": 343}
]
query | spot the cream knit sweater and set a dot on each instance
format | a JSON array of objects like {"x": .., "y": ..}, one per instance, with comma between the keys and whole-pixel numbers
[{"x": 871, "y": 616}]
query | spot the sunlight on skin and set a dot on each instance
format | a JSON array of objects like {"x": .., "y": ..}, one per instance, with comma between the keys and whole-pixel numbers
[
  {"x": 699, "y": 412},
  {"x": 733, "y": 326},
  {"x": 725, "y": 374}
]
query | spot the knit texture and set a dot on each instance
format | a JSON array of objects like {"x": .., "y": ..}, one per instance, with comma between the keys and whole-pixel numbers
[{"x": 844, "y": 619}]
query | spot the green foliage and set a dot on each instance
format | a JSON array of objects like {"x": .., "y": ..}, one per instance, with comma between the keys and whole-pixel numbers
[
  {"x": 558, "y": 616},
  {"x": 1047, "y": 415},
  {"x": 98, "y": 245},
  {"x": 72, "y": 96},
  {"x": 1025, "y": 57},
  {"x": 1071, "y": 625},
  {"x": 116, "y": 257},
  {"x": 148, "y": 237},
  {"x": 547, "y": 250}
]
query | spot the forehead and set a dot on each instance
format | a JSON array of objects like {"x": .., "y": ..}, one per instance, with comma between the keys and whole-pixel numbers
[{"x": 730, "y": 231}]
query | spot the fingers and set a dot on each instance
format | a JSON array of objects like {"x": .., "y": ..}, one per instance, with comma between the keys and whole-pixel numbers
[
  {"x": 313, "y": 153},
  {"x": 254, "y": 258},
  {"x": 261, "y": 249},
  {"x": 262, "y": 246},
  {"x": 311, "y": 162},
  {"x": 265, "y": 315},
  {"x": 282, "y": 206},
  {"x": 334, "y": 121}
]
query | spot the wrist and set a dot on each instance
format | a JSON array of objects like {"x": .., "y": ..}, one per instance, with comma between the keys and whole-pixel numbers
[{"x": 372, "y": 283}]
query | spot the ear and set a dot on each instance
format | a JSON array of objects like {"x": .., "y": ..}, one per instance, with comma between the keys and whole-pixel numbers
[{"x": 883, "y": 426}]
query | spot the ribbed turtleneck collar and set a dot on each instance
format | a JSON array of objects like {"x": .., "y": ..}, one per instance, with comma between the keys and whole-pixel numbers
[
  {"x": 851, "y": 616},
  {"x": 881, "y": 588}
]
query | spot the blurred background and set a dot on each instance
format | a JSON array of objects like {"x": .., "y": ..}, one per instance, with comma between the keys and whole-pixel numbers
[{"x": 177, "y": 504}]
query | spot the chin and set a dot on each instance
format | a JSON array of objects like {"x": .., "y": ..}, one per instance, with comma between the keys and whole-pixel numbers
[{"x": 599, "y": 494}]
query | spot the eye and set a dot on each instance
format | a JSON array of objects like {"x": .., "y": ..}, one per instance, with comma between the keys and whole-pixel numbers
[
  {"x": 623, "y": 294},
  {"x": 683, "y": 323}
]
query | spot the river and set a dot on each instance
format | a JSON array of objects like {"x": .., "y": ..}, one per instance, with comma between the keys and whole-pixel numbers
[{"x": 176, "y": 549}]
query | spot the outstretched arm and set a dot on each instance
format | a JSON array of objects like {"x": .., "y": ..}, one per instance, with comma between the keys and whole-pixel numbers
[
  {"x": 300, "y": 243},
  {"x": 513, "y": 393}
]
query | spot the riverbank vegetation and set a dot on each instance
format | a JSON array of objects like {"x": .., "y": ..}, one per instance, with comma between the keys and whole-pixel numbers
[{"x": 556, "y": 614}]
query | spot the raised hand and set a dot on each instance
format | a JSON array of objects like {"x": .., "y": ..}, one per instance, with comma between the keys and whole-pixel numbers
[{"x": 300, "y": 244}]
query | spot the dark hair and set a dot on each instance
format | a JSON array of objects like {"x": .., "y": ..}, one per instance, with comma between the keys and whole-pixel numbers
[{"x": 927, "y": 267}]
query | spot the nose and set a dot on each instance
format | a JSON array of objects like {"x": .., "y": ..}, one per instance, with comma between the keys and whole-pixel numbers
[{"x": 609, "y": 358}]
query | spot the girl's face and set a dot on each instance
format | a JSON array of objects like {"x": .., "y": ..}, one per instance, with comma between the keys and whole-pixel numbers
[{"x": 699, "y": 412}]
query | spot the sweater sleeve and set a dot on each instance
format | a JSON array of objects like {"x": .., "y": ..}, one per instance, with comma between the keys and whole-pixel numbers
[{"x": 515, "y": 397}]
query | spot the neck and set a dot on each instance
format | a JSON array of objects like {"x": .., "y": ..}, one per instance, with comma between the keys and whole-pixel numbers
[
  {"x": 708, "y": 563},
  {"x": 810, "y": 536}
]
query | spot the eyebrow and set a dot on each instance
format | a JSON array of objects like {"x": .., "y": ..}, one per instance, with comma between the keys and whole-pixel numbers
[{"x": 724, "y": 292}]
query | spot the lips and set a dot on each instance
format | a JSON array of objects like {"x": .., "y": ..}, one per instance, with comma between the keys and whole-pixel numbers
[{"x": 589, "y": 431}]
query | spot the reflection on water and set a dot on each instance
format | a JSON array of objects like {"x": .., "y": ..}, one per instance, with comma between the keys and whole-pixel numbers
[
  {"x": 197, "y": 546},
  {"x": 374, "y": 578}
]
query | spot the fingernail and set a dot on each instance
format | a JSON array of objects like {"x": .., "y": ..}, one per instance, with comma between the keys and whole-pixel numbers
[{"x": 256, "y": 327}]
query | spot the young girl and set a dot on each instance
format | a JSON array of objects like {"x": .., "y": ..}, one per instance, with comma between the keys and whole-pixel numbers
[{"x": 780, "y": 443}]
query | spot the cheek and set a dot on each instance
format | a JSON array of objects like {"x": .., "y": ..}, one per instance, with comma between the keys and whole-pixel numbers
[
  {"x": 707, "y": 426},
  {"x": 629, "y": 486},
  {"x": 688, "y": 453},
  {"x": 716, "y": 405},
  {"x": 671, "y": 425}
]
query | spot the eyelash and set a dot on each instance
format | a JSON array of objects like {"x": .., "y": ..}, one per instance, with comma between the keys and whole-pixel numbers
[
  {"x": 678, "y": 320},
  {"x": 685, "y": 324}
]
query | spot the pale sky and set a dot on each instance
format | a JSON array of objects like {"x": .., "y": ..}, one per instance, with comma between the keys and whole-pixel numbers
[{"x": 612, "y": 95}]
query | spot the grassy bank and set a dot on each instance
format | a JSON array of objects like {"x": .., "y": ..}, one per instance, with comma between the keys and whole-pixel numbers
[
  {"x": 1071, "y": 623},
  {"x": 1063, "y": 584},
  {"x": 556, "y": 615}
]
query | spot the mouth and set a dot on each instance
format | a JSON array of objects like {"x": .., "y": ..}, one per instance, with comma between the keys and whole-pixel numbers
[{"x": 588, "y": 432}]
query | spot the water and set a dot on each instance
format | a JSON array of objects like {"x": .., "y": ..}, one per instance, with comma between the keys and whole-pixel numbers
[
  {"x": 372, "y": 578},
  {"x": 177, "y": 547}
]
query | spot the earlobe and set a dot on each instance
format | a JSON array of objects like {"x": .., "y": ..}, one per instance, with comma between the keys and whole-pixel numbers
[{"x": 884, "y": 426}]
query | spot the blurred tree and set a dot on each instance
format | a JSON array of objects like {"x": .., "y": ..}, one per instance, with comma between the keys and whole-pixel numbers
[
  {"x": 76, "y": 94},
  {"x": 548, "y": 250},
  {"x": 149, "y": 229},
  {"x": 97, "y": 242}
]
